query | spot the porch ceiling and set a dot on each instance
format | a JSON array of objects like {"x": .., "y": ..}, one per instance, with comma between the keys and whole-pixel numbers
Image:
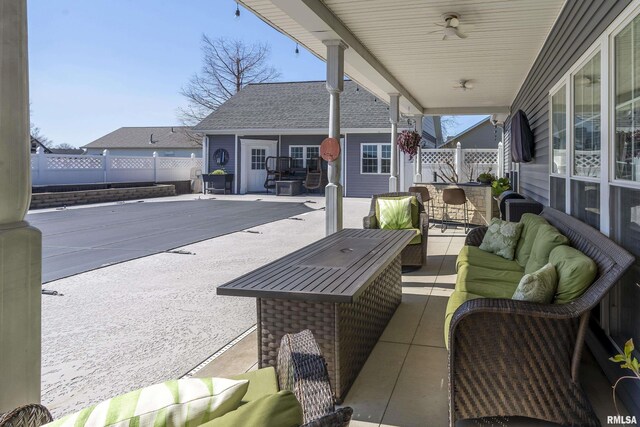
[{"x": 391, "y": 49}]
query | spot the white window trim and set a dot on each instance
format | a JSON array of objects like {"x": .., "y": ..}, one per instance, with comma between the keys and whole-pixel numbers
[
  {"x": 304, "y": 152},
  {"x": 552, "y": 92},
  {"x": 379, "y": 158},
  {"x": 605, "y": 45}
]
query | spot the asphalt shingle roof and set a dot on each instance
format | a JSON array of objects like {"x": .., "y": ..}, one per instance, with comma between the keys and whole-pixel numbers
[
  {"x": 138, "y": 137},
  {"x": 295, "y": 105}
]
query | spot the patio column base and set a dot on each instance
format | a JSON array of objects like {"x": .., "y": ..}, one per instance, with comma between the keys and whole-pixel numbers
[
  {"x": 20, "y": 302},
  {"x": 393, "y": 184},
  {"x": 333, "y": 210}
]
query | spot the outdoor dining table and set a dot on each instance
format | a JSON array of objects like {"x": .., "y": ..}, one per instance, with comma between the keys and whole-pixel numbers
[{"x": 344, "y": 288}]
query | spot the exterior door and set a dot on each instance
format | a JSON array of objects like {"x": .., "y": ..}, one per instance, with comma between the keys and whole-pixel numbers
[
  {"x": 253, "y": 167},
  {"x": 257, "y": 173}
]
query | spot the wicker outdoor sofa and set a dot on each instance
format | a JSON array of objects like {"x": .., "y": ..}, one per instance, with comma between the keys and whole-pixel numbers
[
  {"x": 512, "y": 358},
  {"x": 301, "y": 369},
  {"x": 413, "y": 255}
]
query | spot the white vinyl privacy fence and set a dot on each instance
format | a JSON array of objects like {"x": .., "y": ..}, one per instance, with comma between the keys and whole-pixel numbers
[
  {"x": 59, "y": 169},
  {"x": 465, "y": 164}
]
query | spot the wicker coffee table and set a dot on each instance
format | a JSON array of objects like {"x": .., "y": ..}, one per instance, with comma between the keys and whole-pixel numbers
[{"x": 344, "y": 288}]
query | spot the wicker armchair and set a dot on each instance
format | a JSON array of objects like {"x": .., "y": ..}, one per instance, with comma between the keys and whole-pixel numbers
[
  {"x": 412, "y": 255},
  {"x": 513, "y": 358},
  {"x": 301, "y": 369}
]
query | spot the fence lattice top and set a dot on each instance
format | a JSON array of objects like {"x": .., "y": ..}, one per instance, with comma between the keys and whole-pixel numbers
[
  {"x": 484, "y": 157},
  {"x": 433, "y": 157},
  {"x": 74, "y": 162}
]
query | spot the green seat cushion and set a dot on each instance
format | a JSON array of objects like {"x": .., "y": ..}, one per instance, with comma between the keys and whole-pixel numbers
[
  {"x": 185, "y": 402},
  {"x": 417, "y": 239},
  {"x": 456, "y": 299},
  {"x": 530, "y": 223},
  {"x": 487, "y": 282},
  {"x": 547, "y": 238},
  {"x": 472, "y": 255},
  {"x": 502, "y": 238},
  {"x": 415, "y": 212},
  {"x": 262, "y": 382},
  {"x": 281, "y": 409},
  {"x": 576, "y": 272},
  {"x": 539, "y": 286}
]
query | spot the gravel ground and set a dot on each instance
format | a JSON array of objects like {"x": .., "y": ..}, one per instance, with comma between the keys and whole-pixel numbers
[{"x": 140, "y": 322}]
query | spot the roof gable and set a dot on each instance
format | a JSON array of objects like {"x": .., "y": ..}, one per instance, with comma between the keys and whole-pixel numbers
[
  {"x": 146, "y": 137},
  {"x": 296, "y": 105}
]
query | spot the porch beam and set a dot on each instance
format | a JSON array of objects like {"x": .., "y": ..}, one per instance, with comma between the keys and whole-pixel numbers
[
  {"x": 335, "y": 85},
  {"x": 319, "y": 20},
  {"x": 20, "y": 244},
  {"x": 394, "y": 116},
  {"x": 462, "y": 111}
]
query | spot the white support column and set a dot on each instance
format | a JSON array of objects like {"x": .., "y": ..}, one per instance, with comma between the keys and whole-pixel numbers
[
  {"x": 459, "y": 161},
  {"x": 155, "y": 166},
  {"x": 417, "y": 161},
  {"x": 500, "y": 171},
  {"x": 335, "y": 85},
  {"x": 20, "y": 244},
  {"x": 107, "y": 164},
  {"x": 394, "y": 116}
]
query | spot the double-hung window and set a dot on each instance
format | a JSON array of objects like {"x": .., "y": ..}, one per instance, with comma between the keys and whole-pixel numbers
[
  {"x": 304, "y": 155},
  {"x": 375, "y": 158}
]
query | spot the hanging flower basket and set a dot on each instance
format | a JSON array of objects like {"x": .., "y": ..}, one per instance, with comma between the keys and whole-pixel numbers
[{"x": 408, "y": 142}]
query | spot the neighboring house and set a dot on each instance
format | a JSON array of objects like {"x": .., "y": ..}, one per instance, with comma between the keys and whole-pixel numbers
[
  {"x": 291, "y": 119},
  {"x": 481, "y": 135},
  {"x": 167, "y": 141},
  {"x": 431, "y": 132},
  {"x": 74, "y": 151},
  {"x": 35, "y": 143}
]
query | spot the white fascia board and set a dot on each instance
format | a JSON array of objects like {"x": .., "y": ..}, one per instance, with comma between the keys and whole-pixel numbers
[
  {"x": 319, "y": 21},
  {"x": 462, "y": 111}
]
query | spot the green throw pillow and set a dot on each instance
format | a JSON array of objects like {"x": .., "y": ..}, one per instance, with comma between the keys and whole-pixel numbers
[
  {"x": 576, "y": 272},
  {"x": 530, "y": 223},
  {"x": 547, "y": 238},
  {"x": 539, "y": 286},
  {"x": 276, "y": 410},
  {"x": 185, "y": 402},
  {"x": 502, "y": 238},
  {"x": 395, "y": 214}
]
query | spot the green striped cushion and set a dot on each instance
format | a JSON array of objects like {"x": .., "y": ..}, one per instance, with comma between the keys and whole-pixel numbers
[{"x": 176, "y": 403}]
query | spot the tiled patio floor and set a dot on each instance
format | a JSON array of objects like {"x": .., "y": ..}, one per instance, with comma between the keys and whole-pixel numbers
[{"x": 404, "y": 382}]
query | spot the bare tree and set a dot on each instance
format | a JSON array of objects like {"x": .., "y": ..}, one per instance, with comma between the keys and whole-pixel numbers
[
  {"x": 36, "y": 133},
  {"x": 63, "y": 146},
  {"x": 228, "y": 65},
  {"x": 448, "y": 124}
]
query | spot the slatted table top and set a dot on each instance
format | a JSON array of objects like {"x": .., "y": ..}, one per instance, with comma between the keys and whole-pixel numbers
[{"x": 337, "y": 268}]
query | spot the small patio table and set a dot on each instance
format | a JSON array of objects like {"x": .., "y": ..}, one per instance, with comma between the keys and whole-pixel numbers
[{"x": 344, "y": 288}]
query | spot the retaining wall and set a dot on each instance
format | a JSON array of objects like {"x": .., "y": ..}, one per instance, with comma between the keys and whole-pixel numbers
[{"x": 70, "y": 198}]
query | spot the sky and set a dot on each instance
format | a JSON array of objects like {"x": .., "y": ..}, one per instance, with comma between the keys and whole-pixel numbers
[{"x": 99, "y": 65}]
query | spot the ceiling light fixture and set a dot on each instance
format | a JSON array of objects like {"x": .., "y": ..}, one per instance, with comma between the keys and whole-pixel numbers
[
  {"x": 237, "y": 10},
  {"x": 297, "y": 50}
]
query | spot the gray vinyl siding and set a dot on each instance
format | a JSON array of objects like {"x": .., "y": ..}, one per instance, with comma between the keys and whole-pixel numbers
[
  {"x": 482, "y": 136},
  {"x": 363, "y": 185},
  {"x": 579, "y": 25},
  {"x": 227, "y": 142}
]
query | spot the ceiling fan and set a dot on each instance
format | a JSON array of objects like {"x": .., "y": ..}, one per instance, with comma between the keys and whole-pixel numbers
[
  {"x": 463, "y": 85},
  {"x": 450, "y": 27}
]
